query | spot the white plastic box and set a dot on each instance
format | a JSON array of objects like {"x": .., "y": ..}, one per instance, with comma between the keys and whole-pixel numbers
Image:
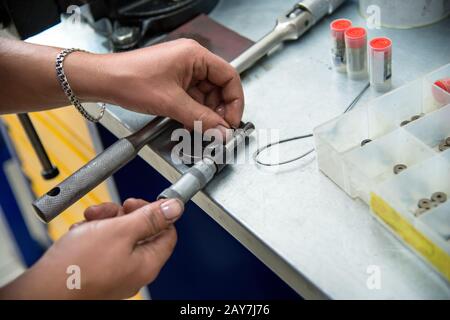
[{"x": 367, "y": 172}]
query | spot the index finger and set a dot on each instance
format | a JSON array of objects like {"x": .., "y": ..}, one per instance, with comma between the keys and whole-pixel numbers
[
  {"x": 132, "y": 204},
  {"x": 103, "y": 211},
  {"x": 222, "y": 74}
]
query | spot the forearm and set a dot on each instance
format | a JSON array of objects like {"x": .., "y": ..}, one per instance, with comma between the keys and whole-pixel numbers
[
  {"x": 177, "y": 79},
  {"x": 28, "y": 78}
]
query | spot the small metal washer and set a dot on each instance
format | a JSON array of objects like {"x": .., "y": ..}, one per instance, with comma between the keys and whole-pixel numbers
[
  {"x": 443, "y": 146},
  {"x": 425, "y": 204},
  {"x": 399, "y": 168},
  {"x": 440, "y": 197},
  {"x": 404, "y": 123}
]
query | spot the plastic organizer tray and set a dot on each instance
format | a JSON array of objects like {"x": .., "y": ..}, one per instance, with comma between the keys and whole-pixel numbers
[{"x": 366, "y": 171}]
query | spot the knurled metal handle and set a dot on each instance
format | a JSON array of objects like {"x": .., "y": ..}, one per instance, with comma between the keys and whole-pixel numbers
[{"x": 84, "y": 180}]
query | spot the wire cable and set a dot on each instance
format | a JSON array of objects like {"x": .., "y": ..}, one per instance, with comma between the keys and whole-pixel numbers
[{"x": 309, "y": 135}]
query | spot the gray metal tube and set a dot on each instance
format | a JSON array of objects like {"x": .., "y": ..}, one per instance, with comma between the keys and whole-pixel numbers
[
  {"x": 249, "y": 57},
  {"x": 191, "y": 182},
  {"x": 320, "y": 8},
  {"x": 285, "y": 29},
  {"x": 288, "y": 27},
  {"x": 84, "y": 180},
  {"x": 197, "y": 177},
  {"x": 96, "y": 171}
]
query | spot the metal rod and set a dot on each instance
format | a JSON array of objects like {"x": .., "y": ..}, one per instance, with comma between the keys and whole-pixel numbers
[
  {"x": 104, "y": 165},
  {"x": 198, "y": 176},
  {"x": 49, "y": 171}
]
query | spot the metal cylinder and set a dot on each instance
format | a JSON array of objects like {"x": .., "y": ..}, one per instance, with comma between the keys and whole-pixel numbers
[
  {"x": 380, "y": 64},
  {"x": 191, "y": 182},
  {"x": 338, "y": 28},
  {"x": 203, "y": 171},
  {"x": 233, "y": 144},
  {"x": 49, "y": 171},
  {"x": 84, "y": 180},
  {"x": 249, "y": 57},
  {"x": 356, "y": 53},
  {"x": 320, "y": 8}
]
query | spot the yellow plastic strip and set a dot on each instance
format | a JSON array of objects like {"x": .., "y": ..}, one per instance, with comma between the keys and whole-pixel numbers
[{"x": 428, "y": 249}]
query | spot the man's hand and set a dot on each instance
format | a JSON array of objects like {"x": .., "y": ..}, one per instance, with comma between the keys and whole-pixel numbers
[
  {"x": 118, "y": 250},
  {"x": 179, "y": 79}
]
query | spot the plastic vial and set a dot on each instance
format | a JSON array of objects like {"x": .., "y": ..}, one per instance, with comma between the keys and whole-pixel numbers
[
  {"x": 338, "y": 28},
  {"x": 380, "y": 64},
  {"x": 356, "y": 52}
]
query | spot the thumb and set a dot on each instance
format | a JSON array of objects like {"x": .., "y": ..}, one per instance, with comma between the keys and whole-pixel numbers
[
  {"x": 193, "y": 111},
  {"x": 151, "y": 219}
]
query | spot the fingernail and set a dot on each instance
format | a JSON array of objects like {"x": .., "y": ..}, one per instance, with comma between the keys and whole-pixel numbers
[
  {"x": 93, "y": 208},
  {"x": 221, "y": 111},
  {"x": 172, "y": 208}
]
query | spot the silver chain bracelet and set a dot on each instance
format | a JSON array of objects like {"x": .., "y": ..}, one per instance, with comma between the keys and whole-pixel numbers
[{"x": 66, "y": 87}]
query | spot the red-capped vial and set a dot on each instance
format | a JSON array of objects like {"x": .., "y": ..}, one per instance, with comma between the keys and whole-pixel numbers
[
  {"x": 338, "y": 28},
  {"x": 356, "y": 52},
  {"x": 441, "y": 91},
  {"x": 380, "y": 63}
]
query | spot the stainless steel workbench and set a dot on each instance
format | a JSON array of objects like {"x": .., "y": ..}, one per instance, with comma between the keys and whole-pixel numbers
[{"x": 296, "y": 220}]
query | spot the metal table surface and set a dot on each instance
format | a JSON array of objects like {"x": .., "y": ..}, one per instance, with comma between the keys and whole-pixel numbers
[{"x": 298, "y": 222}]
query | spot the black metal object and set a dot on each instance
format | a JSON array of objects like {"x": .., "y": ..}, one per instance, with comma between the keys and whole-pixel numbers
[
  {"x": 5, "y": 19},
  {"x": 49, "y": 171},
  {"x": 135, "y": 21},
  {"x": 150, "y": 16},
  {"x": 29, "y": 16}
]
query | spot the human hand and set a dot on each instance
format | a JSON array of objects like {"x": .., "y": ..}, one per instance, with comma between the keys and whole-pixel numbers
[
  {"x": 118, "y": 251},
  {"x": 178, "y": 79}
]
